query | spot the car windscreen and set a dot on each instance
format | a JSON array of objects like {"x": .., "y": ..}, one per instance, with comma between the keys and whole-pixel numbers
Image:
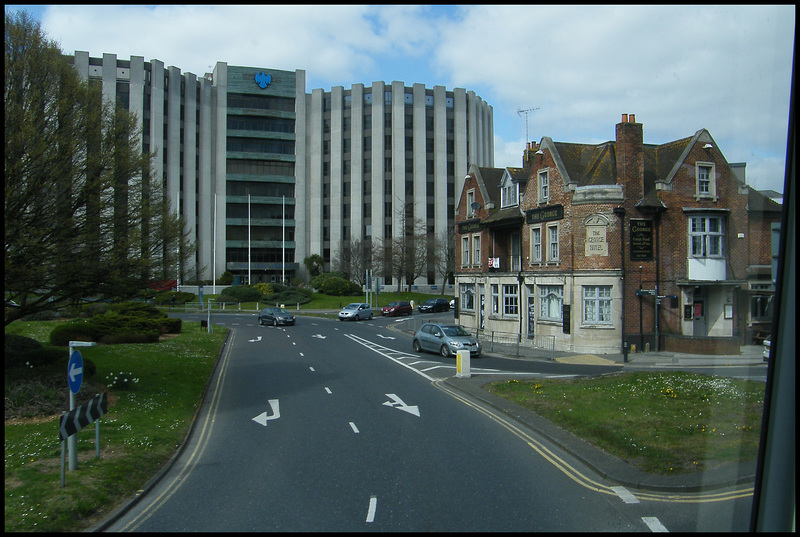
[{"x": 455, "y": 331}]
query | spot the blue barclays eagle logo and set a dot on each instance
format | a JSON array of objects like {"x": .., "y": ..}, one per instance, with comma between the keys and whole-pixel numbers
[{"x": 263, "y": 80}]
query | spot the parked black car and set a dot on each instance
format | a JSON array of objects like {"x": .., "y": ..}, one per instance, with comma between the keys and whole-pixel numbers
[{"x": 434, "y": 304}]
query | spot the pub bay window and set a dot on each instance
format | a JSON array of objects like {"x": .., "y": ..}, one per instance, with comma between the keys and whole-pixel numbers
[{"x": 705, "y": 236}]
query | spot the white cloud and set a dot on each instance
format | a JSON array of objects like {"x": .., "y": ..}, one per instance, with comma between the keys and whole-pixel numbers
[{"x": 678, "y": 68}]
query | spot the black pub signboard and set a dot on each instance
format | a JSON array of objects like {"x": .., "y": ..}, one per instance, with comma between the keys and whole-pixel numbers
[
  {"x": 470, "y": 226},
  {"x": 641, "y": 240},
  {"x": 544, "y": 214}
]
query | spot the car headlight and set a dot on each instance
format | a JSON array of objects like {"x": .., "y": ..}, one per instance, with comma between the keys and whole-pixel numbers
[{"x": 456, "y": 344}]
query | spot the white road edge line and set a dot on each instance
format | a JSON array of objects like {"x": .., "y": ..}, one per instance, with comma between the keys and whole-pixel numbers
[
  {"x": 373, "y": 503},
  {"x": 353, "y": 426},
  {"x": 654, "y": 524},
  {"x": 328, "y": 390}
]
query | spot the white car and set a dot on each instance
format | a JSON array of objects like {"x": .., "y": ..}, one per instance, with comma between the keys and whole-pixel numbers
[{"x": 356, "y": 311}]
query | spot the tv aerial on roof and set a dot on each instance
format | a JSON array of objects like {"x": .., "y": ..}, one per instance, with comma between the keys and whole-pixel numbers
[{"x": 519, "y": 113}]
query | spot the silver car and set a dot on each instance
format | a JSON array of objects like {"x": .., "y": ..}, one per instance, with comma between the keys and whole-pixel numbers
[
  {"x": 356, "y": 311},
  {"x": 275, "y": 317},
  {"x": 445, "y": 339}
]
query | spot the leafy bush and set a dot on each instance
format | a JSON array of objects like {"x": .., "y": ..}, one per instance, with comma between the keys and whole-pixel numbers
[
  {"x": 335, "y": 285},
  {"x": 225, "y": 279},
  {"x": 226, "y": 299},
  {"x": 180, "y": 297},
  {"x": 265, "y": 288},
  {"x": 15, "y": 348},
  {"x": 171, "y": 326},
  {"x": 291, "y": 296},
  {"x": 243, "y": 293},
  {"x": 43, "y": 356},
  {"x": 137, "y": 308},
  {"x": 72, "y": 331}
]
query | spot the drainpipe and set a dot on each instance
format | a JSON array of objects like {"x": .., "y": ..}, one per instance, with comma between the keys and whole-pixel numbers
[{"x": 620, "y": 212}]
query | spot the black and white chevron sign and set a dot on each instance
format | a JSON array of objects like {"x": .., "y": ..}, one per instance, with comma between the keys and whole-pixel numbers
[{"x": 75, "y": 420}]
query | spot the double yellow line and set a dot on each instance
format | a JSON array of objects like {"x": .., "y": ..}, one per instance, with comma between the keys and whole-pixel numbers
[
  {"x": 205, "y": 433},
  {"x": 582, "y": 479}
]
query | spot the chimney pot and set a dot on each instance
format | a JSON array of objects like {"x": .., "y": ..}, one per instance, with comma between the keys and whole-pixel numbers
[
  {"x": 633, "y": 118},
  {"x": 624, "y": 118}
]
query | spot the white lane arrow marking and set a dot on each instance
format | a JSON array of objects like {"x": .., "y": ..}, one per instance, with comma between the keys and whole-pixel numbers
[
  {"x": 385, "y": 337},
  {"x": 254, "y": 340},
  {"x": 398, "y": 403},
  {"x": 263, "y": 418},
  {"x": 320, "y": 336},
  {"x": 74, "y": 370}
]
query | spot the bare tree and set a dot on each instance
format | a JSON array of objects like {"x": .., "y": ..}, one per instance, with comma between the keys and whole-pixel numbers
[{"x": 444, "y": 255}]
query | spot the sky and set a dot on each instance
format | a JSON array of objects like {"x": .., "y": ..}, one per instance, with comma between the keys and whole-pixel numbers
[{"x": 576, "y": 69}]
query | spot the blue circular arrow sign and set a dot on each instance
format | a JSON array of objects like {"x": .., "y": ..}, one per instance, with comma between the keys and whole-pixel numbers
[{"x": 75, "y": 371}]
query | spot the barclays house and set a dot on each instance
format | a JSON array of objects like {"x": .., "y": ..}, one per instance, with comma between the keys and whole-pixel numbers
[{"x": 265, "y": 174}]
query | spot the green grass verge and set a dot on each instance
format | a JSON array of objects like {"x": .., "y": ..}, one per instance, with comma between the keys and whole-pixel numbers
[
  {"x": 663, "y": 422},
  {"x": 144, "y": 425}
]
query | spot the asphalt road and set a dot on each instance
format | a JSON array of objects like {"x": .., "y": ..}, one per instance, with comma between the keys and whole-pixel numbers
[{"x": 333, "y": 426}]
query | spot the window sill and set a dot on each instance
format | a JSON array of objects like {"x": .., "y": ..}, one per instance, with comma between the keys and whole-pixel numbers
[{"x": 592, "y": 326}]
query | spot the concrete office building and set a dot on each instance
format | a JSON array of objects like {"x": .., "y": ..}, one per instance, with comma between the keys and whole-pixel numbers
[{"x": 285, "y": 174}]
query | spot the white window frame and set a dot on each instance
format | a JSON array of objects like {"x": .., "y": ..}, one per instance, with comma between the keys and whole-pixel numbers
[
  {"x": 598, "y": 305},
  {"x": 470, "y": 201},
  {"x": 551, "y": 297},
  {"x": 711, "y": 187},
  {"x": 553, "y": 252},
  {"x": 510, "y": 300},
  {"x": 495, "y": 291},
  {"x": 704, "y": 243},
  {"x": 467, "y": 297},
  {"x": 476, "y": 250},
  {"x": 465, "y": 251},
  {"x": 509, "y": 194},
  {"x": 536, "y": 245},
  {"x": 543, "y": 186}
]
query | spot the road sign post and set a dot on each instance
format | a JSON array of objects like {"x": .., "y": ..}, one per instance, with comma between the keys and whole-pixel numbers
[{"x": 74, "y": 380}]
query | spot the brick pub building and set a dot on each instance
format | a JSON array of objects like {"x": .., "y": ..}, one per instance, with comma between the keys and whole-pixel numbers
[{"x": 614, "y": 245}]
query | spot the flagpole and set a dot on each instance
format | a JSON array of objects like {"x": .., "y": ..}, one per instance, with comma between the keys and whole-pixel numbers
[
  {"x": 248, "y": 240},
  {"x": 214, "y": 250}
]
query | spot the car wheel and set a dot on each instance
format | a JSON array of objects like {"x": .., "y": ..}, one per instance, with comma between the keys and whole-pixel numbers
[
  {"x": 444, "y": 351},
  {"x": 370, "y": 317},
  {"x": 274, "y": 322},
  {"x": 417, "y": 347},
  {"x": 260, "y": 322}
]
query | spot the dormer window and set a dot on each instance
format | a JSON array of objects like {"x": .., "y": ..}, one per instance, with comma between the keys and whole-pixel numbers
[{"x": 510, "y": 194}]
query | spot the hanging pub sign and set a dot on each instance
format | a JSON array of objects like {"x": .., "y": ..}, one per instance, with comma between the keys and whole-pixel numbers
[{"x": 641, "y": 240}]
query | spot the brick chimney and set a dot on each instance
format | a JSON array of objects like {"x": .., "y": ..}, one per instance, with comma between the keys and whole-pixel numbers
[
  {"x": 630, "y": 159},
  {"x": 528, "y": 155}
]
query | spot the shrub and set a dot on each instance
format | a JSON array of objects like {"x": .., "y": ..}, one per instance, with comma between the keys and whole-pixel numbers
[
  {"x": 264, "y": 288},
  {"x": 243, "y": 293},
  {"x": 180, "y": 297},
  {"x": 292, "y": 296},
  {"x": 137, "y": 308},
  {"x": 171, "y": 326},
  {"x": 43, "y": 356},
  {"x": 15, "y": 348},
  {"x": 226, "y": 299},
  {"x": 62, "y": 334},
  {"x": 225, "y": 279},
  {"x": 337, "y": 286}
]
